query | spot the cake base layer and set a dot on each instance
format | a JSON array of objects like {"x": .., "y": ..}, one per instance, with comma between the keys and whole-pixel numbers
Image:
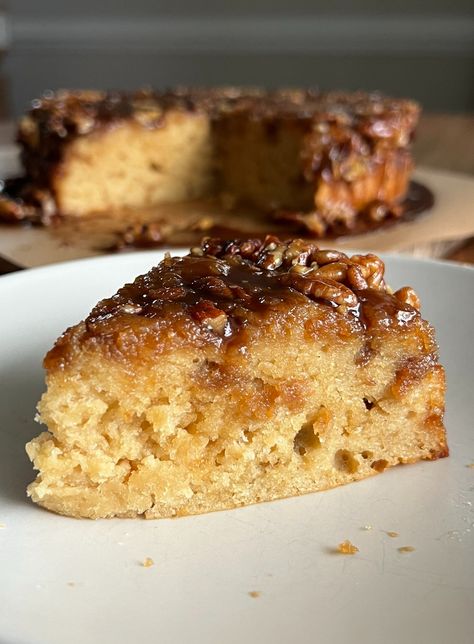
[{"x": 210, "y": 437}]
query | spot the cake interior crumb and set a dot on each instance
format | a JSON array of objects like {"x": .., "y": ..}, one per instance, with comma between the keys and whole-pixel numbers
[
  {"x": 148, "y": 562},
  {"x": 405, "y": 549},
  {"x": 254, "y": 593},
  {"x": 347, "y": 548}
]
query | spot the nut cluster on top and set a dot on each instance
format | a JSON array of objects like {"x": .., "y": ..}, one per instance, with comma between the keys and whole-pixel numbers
[{"x": 329, "y": 275}]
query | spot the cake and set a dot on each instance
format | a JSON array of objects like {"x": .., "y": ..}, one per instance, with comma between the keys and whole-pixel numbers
[
  {"x": 245, "y": 371},
  {"x": 316, "y": 158}
]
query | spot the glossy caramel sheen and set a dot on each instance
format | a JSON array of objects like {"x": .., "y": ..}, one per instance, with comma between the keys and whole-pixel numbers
[
  {"x": 225, "y": 293},
  {"x": 203, "y": 287}
]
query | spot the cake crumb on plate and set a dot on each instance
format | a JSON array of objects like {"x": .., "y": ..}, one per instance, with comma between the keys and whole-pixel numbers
[
  {"x": 148, "y": 562},
  {"x": 347, "y": 548}
]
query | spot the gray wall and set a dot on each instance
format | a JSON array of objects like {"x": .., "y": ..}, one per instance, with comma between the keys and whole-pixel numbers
[{"x": 411, "y": 48}]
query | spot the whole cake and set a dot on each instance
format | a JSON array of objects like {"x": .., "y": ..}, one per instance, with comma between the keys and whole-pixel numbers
[
  {"x": 243, "y": 372},
  {"x": 318, "y": 158}
]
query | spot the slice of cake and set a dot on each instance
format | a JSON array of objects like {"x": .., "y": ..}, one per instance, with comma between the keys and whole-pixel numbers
[
  {"x": 325, "y": 158},
  {"x": 243, "y": 372}
]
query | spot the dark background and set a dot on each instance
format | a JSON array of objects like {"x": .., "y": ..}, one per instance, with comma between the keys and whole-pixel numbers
[{"x": 405, "y": 48}]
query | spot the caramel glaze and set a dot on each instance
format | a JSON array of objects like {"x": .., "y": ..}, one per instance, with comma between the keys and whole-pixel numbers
[
  {"x": 225, "y": 293},
  {"x": 419, "y": 199},
  {"x": 73, "y": 113}
]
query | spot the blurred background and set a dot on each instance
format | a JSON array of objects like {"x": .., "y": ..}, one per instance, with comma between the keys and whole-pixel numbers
[{"x": 406, "y": 48}]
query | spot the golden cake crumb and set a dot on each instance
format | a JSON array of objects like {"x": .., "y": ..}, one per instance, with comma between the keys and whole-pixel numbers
[
  {"x": 471, "y": 465},
  {"x": 347, "y": 548},
  {"x": 148, "y": 562},
  {"x": 255, "y": 593},
  {"x": 392, "y": 534},
  {"x": 405, "y": 549}
]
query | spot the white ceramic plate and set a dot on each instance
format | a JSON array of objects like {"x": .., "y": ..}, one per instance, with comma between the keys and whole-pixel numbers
[{"x": 69, "y": 581}]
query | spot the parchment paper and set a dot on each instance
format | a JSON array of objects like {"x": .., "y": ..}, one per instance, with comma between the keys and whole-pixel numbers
[{"x": 450, "y": 221}]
